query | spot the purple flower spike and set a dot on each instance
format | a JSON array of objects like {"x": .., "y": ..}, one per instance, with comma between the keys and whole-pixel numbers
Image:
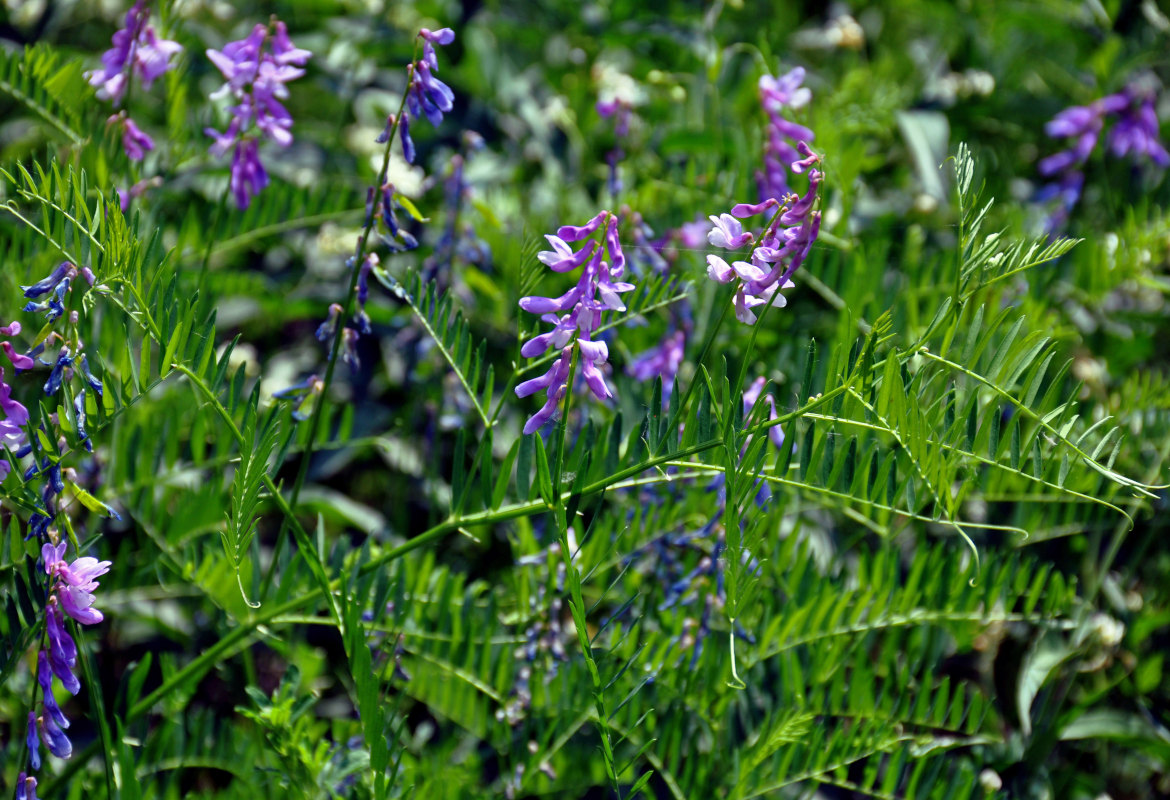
[
  {"x": 137, "y": 51},
  {"x": 596, "y": 291},
  {"x": 1134, "y": 133},
  {"x": 256, "y": 70},
  {"x": 776, "y": 95}
]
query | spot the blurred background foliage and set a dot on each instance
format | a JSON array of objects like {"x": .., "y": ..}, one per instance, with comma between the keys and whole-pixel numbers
[{"x": 879, "y": 658}]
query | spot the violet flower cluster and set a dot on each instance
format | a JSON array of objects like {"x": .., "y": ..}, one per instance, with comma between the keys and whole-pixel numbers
[
  {"x": 137, "y": 51},
  {"x": 780, "y": 149},
  {"x": 50, "y": 295},
  {"x": 426, "y": 95},
  {"x": 576, "y": 314},
  {"x": 780, "y": 250},
  {"x": 256, "y": 69},
  {"x": 70, "y": 584},
  {"x": 71, "y": 587},
  {"x": 1134, "y": 133}
]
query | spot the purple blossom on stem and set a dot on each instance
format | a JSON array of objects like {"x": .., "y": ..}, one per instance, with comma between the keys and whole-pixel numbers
[
  {"x": 137, "y": 51},
  {"x": 33, "y": 740},
  {"x": 781, "y": 248},
  {"x": 426, "y": 95},
  {"x": 1134, "y": 133},
  {"x": 777, "y": 94},
  {"x": 12, "y": 435},
  {"x": 73, "y": 584},
  {"x": 256, "y": 70},
  {"x": 134, "y": 141},
  {"x": 580, "y": 308},
  {"x": 302, "y": 395}
]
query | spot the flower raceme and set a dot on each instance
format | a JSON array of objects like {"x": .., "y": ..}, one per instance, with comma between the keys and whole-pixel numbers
[
  {"x": 576, "y": 314},
  {"x": 777, "y": 94},
  {"x": 780, "y": 249},
  {"x": 426, "y": 95},
  {"x": 71, "y": 586},
  {"x": 137, "y": 51},
  {"x": 256, "y": 70},
  {"x": 1134, "y": 134}
]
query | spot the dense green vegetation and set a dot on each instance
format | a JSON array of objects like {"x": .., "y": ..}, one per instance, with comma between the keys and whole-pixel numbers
[{"x": 902, "y": 536}]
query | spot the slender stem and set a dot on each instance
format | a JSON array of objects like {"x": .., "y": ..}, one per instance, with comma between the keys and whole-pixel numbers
[
  {"x": 335, "y": 346},
  {"x": 312, "y": 557}
]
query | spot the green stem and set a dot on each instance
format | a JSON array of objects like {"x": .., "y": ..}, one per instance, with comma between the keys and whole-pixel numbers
[
  {"x": 312, "y": 557},
  {"x": 335, "y": 347}
]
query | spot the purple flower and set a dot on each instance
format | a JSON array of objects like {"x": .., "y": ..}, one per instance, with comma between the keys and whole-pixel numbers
[
  {"x": 18, "y": 361},
  {"x": 555, "y": 383},
  {"x": 1136, "y": 133},
  {"x": 12, "y": 434},
  {"x": 597, "y": 289},
  {"x": 134, "y": 141},
  {"x": 780, "y": 250},
  {"x": 248, "y": 176},
  {"x": 33, "y": 740},
  {"x": 256, "y": 69},
  {"x": 62, "y": 650},
  {"x": 575, "y": 233},
  {"x": 728, "y": 233},
  {"x": 55, "y": 738},
  {"x": 562, "y": 258},
  {"x": 26, "y": 786},
  {"x": 750, "y": 396},
  {"x": 74, "y": 583},
  {"x": 777, "y": 94},
  {"x": 137, "y": 51},
  {"x": 64, "y": 271}
]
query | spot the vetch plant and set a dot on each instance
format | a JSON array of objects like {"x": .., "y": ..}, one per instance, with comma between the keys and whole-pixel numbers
[
  {"x": 576, "y": 314},
  {"x": 900, "y": 540}
]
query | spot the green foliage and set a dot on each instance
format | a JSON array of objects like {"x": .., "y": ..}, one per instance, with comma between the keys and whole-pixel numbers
[{"x": 952, "y": 572}]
